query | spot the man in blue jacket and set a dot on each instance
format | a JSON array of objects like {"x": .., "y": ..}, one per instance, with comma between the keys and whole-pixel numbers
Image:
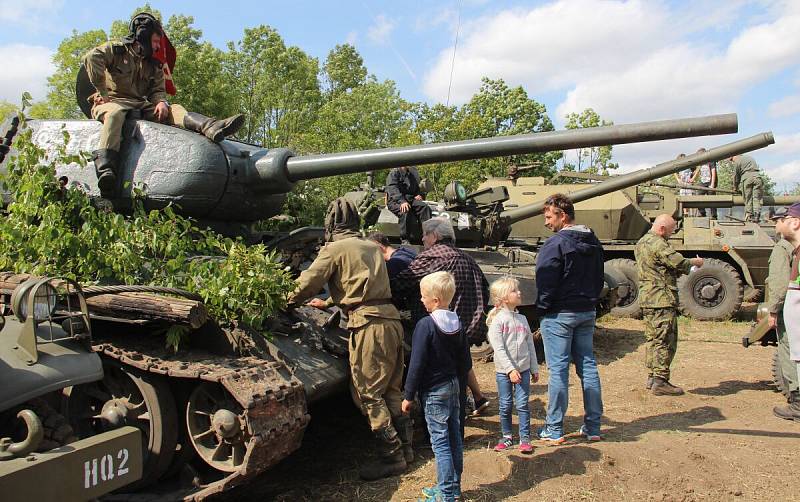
[{"x": 569, "y": 280}]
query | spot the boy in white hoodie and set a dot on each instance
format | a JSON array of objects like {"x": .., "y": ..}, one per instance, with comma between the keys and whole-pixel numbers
[
  {"x": 439, "y": 354},
  {"x": 514, "y": 361}
]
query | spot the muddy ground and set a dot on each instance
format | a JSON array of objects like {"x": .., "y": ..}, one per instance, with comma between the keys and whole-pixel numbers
[{"x": 718, "y": 442}]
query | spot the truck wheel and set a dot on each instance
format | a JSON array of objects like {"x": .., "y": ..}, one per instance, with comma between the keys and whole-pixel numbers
[
  {"x": 628, "y": 291},
  {"x": 778, "y": 379},
  {"x": 712, "y": 292}
]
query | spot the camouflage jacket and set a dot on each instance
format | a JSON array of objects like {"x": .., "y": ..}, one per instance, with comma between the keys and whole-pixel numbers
[
  {"x": 118, "y": 73},
  {"x": 658, "y": 266}
]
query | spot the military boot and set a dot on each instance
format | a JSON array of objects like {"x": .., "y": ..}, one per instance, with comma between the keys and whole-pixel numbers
[
  {"x": 390, "y": 461},
  {"x": 789, "y": 412},
  {"x": 213, "y": 129},
  {"x": 662, "y": 387},
  {"x": 405, "y": 431},
  {"x": 106, "y": 168},
  {"x": 649, "y": 384}
]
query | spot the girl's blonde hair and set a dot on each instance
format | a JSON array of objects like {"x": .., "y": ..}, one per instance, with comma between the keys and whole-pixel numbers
[{"x": 498, "y": 292}]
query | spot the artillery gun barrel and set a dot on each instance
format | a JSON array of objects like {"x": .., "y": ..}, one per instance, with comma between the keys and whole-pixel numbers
[
  {"x": 644, "y": 175},
  {"x": 319, "y": 166},
  {"x": 699, "y": 188},
  {"x": 721, "y": 201}
]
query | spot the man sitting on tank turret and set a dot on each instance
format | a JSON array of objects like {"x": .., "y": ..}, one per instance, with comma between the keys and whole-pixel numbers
[
  {"x": 403, "y": 196},
  {"x": 127, "y": 77}
]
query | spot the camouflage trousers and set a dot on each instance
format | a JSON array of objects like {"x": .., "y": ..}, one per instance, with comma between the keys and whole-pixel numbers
[
  {"x": 661, "y": 331},
  {"x": 788, "y": 367},
  {"x": 376, "y": 370},
  {"x": 753, "y": 193}
]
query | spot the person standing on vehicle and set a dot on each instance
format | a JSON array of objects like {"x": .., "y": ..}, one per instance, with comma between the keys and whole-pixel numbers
[
  {"x": 355, "y": 273},
  {"x": 127, "y": 77},
  {"x": 569, "y": 280},
  {"x": 707, "y": 177},
  {"x": 404, "y": 197},
  {"x": 659, "y": 266},
  {"x": 747, "y": 180},
  {"x": 780, "y": 267}
]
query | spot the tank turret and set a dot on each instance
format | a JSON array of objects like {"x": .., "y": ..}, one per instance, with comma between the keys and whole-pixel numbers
[{"x": 238, "y": 182}]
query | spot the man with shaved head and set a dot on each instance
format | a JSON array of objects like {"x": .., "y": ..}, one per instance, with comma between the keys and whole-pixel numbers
[{"x": 659, "y": 266}]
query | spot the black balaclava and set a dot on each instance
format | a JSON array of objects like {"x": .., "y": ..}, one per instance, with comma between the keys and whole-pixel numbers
[{"x": 142, "y": 27}]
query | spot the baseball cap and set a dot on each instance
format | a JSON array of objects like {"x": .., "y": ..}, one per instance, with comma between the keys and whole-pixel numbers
[{"x": 787, "y": 212}]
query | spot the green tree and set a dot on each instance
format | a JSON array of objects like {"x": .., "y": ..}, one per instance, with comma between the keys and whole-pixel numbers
[
  {"x": 495, "y": 110},
  {"x": 274, "y": 85},
  {"x": 595, "y": 160},
  {"x": 344, "y": 69},
  {"x": 6, "y": 110}
]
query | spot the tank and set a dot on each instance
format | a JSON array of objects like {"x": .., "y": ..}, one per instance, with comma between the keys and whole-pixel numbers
[
  {"x": 233, "y": 403},
  {"x": 491, "y": 217},
  {"x": 736, "y": 251},
  {"x": 45, "y": 348}
]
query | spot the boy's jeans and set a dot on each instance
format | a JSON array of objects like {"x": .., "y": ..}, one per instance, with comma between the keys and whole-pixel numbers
[
  {"x": 568, "y": 336},
  {"x": 441, "y": 413},
  {"x": 521, "y": 393}
]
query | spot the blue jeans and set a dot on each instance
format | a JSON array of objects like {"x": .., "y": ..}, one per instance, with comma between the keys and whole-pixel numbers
[
  {"x": 441, "y": 404},
  {"x": 520, "y": 392},
  {"x": 569, "y": 336}
]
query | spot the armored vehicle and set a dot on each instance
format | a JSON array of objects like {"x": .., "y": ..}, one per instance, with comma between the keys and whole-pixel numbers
[
  {"x": 45, "y": 349},
  {"x": 736, "y": 251},
  {"x": 232, "y": 403}
]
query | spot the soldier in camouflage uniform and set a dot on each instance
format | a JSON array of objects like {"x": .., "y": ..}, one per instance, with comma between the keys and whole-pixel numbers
[
  {"x": 659, "y": 266},
  {"x": 127, "y": 77},
  {"x": 747, "y": 179}
]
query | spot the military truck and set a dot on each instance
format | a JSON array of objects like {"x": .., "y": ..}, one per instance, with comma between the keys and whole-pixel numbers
[
  {"x": 735, "y": 251},
  {"x": 232, "y": 403},
  {"x": 45, "y": 351}
]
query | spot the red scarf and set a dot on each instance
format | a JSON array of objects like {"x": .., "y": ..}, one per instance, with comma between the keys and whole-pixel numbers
[{"x": 167, "y": 55}]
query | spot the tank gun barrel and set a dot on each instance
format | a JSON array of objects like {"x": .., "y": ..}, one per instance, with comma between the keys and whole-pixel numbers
[
  {"x": 318, "y": 166},
  {"x": 722, "y": 201},
  {"x": 644, "y": 175}
]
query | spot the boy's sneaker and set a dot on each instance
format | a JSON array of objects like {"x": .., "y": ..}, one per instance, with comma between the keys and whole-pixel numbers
[
  {"x": 505, "y": 444},
  {"x": 589, "y": 437},
  {"x": 480, "y": 406},
  {"x": 432, "y": 494},
  {"x": 548, "y": 435},
  {"x": 525, "y": 447}
]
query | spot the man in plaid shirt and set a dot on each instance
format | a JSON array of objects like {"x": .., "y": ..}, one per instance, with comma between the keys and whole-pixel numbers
[{"x": 469, "y": 302}]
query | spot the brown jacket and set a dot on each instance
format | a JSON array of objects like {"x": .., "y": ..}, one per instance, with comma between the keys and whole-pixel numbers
[
  {"x": 118, "y": 73},
  {"x": 355, "y": 273}
]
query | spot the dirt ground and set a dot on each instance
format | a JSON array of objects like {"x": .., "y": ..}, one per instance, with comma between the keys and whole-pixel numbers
[{"x": 719, "y": 441}]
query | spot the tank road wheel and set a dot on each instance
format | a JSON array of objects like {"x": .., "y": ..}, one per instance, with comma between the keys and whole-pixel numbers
[
  {"x": 777, "y": 376},
  {"x": 217, "y": 427},
  {"x": 483, "y": 352},
  {"x": 628, "y": 290},
  {"x": 712, "y": 292},
  {"x": 129, "y": 397}
]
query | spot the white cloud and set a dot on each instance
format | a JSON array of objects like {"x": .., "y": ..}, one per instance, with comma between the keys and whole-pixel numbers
[
  {"x": 381, "y": 30},
  {"x": 630, "y": 61},
  {"x": 787, "y": 144},
  {"x": 785, "y": 107},
  {"x": 784, "y": 175},
  {"x": 25, "y": 68}
]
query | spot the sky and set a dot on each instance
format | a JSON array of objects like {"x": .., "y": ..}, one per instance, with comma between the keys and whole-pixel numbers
[{"x": 632, "y": 61}]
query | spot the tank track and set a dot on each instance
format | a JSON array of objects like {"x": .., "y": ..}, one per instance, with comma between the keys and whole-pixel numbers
[{"x": 273, "y": 401}]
